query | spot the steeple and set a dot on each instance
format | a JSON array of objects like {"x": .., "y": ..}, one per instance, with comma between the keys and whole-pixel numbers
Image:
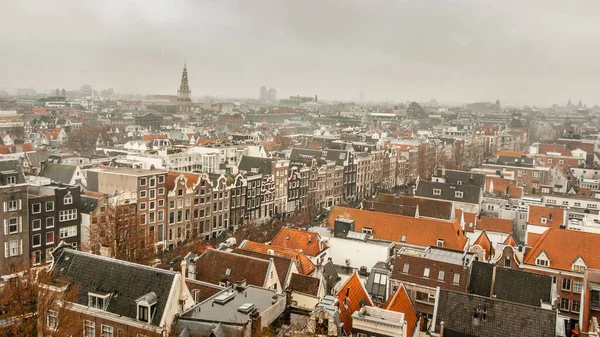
[{"x": 184, "y": 102}]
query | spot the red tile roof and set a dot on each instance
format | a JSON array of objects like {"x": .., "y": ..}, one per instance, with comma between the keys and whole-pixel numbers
[
  {"x": 7, "y": 149},
  {"x": 510, "y": 241},
  {"x": 192, "y": 179},
  {"x": 484, "y": 242},
  {"x": 149, "y": 138},
  {"x": 305, "y": 284},
  {"x": 470, "y": 218},
  {"x": 304, "y": 265},
  {"x": 513, "y": 154},
  {"x": 554, "y": 216},
  {"x": 400, "y": 302},
  {"x": 214, "y": 266},
  {"x": 307, "y": 242},
  {"x": 349, "y": 297},
  {"x": 532, "y": 238},
  {"x": 563, "y": 247},
  {"x": 562, "y": 149},
  {"x": 495, "y": 225},
  {"x": 282, "y": 264},
  {"x": 498, "y": 186},
  {"x": 417, "y": 231}
]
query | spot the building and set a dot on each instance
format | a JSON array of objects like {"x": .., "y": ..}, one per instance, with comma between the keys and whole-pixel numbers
[
  {"x": 309, "y": 243},
  {"x": 15, "y": 217},
  {"x": 54, "y": 217},
  {"x": 263, "y": 94},
  {"x": 115, "y": 297},
  {"x": 183, "y": 215},
  {"x": 272, "y": 94},
  {"x": 184, "y": 99}
]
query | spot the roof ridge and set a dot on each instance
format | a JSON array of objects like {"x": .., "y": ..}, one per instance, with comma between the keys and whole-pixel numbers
[{"x": 232, "y": 253}]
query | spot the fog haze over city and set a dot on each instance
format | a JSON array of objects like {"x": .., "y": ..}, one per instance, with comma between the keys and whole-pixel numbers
[{"x": 534, "y": 53}]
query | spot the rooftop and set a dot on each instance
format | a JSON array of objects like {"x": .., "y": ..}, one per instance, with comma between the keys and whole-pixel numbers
[{"x": 440, "y": 254}]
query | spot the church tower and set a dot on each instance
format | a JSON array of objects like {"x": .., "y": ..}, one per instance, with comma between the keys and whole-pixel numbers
[{"x": 184, "y": 102}]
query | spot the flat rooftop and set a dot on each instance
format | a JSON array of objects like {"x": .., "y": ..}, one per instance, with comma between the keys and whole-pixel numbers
[
  {"x": 440, "y": 254},
  {"x": 128, "y": 171}
]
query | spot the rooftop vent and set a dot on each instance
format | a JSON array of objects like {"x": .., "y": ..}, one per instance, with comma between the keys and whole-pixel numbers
[
  {"x": 224, "y": 297},
  {"x": 246, "y": 308}
]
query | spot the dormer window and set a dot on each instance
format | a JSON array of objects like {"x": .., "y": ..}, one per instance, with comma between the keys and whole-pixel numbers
[
  {"x": 458, "y": 194},
  {"x": 68, "y": 199},
  {"x": 579, "y": 265},
  {"x": 11, "y": 180},
  {"x": 440, "y": 243},
  {"x": 437, "y": 191},
  {"x": 544, "y": 220},
  {"x": 98, "y": 300},
  {"x": 146, "y": 307},
  {"x": 542, "y": 260},
  {"x": 459, "y": 182}
]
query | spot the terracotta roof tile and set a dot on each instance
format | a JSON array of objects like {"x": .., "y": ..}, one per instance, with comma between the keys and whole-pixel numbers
[
  {"x": 484, "y": 242},
  {"x": 498, "y": 186},
  {"x": 495, "y": 225},
  {"x": 510, "y": 241},
  {"x": 214, "y": 266},
  {"x": 307, "y": 242},
  {"x": 513, "y": 154},
  {"x": 554, "y": 216},
  {"x": 470, "y": 220},
  {"x": 305, "y": 284},
  {"x": 305, "y": 265},
  {"x": 562, "y": 149},
  {"x": 532, "y": 238},
  {"x": 282, "y": 264},
  {"x": 400, "y": 302},
  {"x": 563, "y": 247},
  {"x": 192, "y": 179},
  {"x": 349, "y": 297},
  {"x": 149, "y": 138},
  {"x": 430, "y": 208},
  {"x": 417, "y": 231}
]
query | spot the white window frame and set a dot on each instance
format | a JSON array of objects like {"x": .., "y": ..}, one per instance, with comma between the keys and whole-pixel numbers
[
  {"x": 458, "y": 194},
  {"x": 49, "y": 203},
  {"x": 107, "y": 331},
  {"x": 437, "y": 191},
  {"x": 426, "y": 272},
  {"x": 33, "y": 206},
  {"x": 441, "y": 275},
  {"x": 569, "y": 284},
  {"x": 11, "y": 207},
  {"x": 39, "y": 244},
  {"x": 406, "y": 268},
  {"x": 67, "y": 232},
  {"x": 456, "y": 278},
  {"x": 89, "y": 325},
  {"x": 9, "y": 224},
  {"x": 52, "y": 320},
  {"x": 93, "y": 301},
  {"x": 68, "y": 199},
  {"x": 67, "y": 215}
]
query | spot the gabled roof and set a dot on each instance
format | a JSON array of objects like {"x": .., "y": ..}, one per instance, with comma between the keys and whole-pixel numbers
[
  {"x": 59, "y": 172},
  {"x": 495, "y": 225},
  {"x": 465, "y": 177},
  {"x": 305, "y": 284},
  {"x": 470, "y": 219},
  {"x": 7, "y": 165},
  {"x": 484, "y": 242},
  {"x": 282, "y": 264},
  {"x": 304, "y": 264},
  {"x": 308, "y": 243},
  {"x": 258, "y": 164},
  {"x": 350, "y": 296},
  {"x": 554, "y": 216},
  {"x": 400, "y": 302},
  {"x": 149, "y": 138},
  {"x": 215, "y": 266},
  {"x": 125, "y": 281},
  {"x": 499, "y": 186},
  {"x": 510, "y": 241},
  {"x": 35, "y": 158},
  {"x": 560, "y": 148},
  {"x": 417, "y": 231},
  {"x": 202, "y": 290},
  {"x": 430, "y": 208},
  {"x": 192, "y": 179},
  {"x": 471, "y": 194},
  {"x": 562, "y": 246},
  {"x": 509, "y": 284}
]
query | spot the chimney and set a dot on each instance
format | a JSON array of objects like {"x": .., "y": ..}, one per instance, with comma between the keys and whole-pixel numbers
[
  {"x": 288, "y": 296},
  {"x": 256, "y": 329}
]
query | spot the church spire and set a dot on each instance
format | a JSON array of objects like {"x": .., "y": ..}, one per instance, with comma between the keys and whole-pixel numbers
[{"x": 184, "y": 102}]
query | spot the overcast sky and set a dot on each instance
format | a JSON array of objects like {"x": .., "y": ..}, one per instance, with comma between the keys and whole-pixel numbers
[{"x": 524, "y": 52}]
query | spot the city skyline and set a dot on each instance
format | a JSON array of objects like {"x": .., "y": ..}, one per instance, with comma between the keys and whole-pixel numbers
[{"x": 393, "y": 51}]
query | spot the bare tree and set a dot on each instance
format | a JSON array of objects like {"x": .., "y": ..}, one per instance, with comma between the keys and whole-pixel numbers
[
  {"x": 118, "y": 232},
  {"x": 84, "y": 138}
]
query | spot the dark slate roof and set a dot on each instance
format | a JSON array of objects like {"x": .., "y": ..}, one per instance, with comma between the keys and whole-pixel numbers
[
  {"x": 377, "y": 289},
  {"x": 467, "y": 178},
  {"x": 263, "y": 165},
  {"x": 330, "y": 274},
  {"x": 58, "y": 172},
  {"x": 471, "y": 194},
  {"x": 503, "y": 318},
  {"x": 339, "y": 156},
  {"x": 89, "y": 204},
  {"x": 297, "y": 153},
  {"x": 509, "y": 284},
  {"x": 12, "y": 165},
  {"x": 511, "y": 161},
  {"x": 305, "y": 284},
  {"x": 212, "y": 267},
  {"x": 282, "y": 264},
  {"x": 125, "y": 281}
]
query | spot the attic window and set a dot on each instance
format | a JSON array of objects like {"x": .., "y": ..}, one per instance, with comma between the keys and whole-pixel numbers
[
  {"x": 440, "y": 243},
  {"x": 542, "y": 262},
  {"x": 578, "y": 268},
  {"x": 437, "y": 191},
  {"x": 544, "y": 220},
  {"x": 459, "y": 182},
  {"x": 146, "y": 307},
  {"x": 98, "y": 301},
  {"x": 403, "y": 238},
  {"x": 367, "y": 230},
  {"x": 68, "y": 199},
  {"x": 228, "y": 271},
  {"x": 458, "y": 194}
]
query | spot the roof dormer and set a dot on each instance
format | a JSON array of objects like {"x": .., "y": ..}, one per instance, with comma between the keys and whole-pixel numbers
[
  {"x": 146, "y": 307},
  {"x": 579, "y": 265},
  {"x": 98, "y": 299},
  {"x": 542, "y": 260}
]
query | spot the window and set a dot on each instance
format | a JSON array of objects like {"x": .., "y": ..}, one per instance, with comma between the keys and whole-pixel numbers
[
  {"x": 152, "y": 182},
  {"x": 68, "y": 215},
  {"x": 37, "y": 240},
  {"x": 52, "y": 319},
  {"x": 143, "y": 181},
  {"x": 360, "y": 334},
  {"x": 441, "y": 275},
  {"x": 11, "y": 180},
  {"x": 152, "y": 194},
  {"x": 566, "y": 284},
  {"x": 14, "y": 248},
  {"x": 98, "y": 301},
  {"x": 403, "y": 238},
  {"x": 578, "y": 268},
  {"x": 437, "y": 191},
  {"x": 37, "y": 257},
  {"x": 426, "y": 272},
  {"x": 89, "y": 329},
  {"x": 406, "y": 268},
  {"x": 507, "y": 262},
  {"x": 536, "y": 174},
  {"x": 13, "y": 225},
  {"x": 68, "y": 199},
  {"x": 49, "y": 238},
  {"x": 440, "y": 243},
  {"x": 456, "y": 279},
  {"x": 161, "y": 191},
  {"x": 142, "y": 313},
  {"x": 549, "y": 161},
  {"x": 13, "y": 205},
  {"x": 49, "y": 222},
  {"x": 577, "y": 286},
  {"x": 180, "y": 192},
  {"x": 49, "y": 206},
  {"x": 107, "y": 331},
  {"x": 367, "y": 230},
  {"x": 575, "y": 307},
  {"x": 36, "y": 208},
  {"x": 490, "y": 207},
  {"x": 542, "y": 262},
  {"x": 564, "y": 304},
  {"x": 67, "y": 232},
  {"x": 161, "y": 179},
  {"x": 458, "y": 194},
  {"x": 161, "y": 203},
  {"x": 143, "y": 193},
  {"x": 152, "y": 205},
  {"x": 544, "y": 220}
]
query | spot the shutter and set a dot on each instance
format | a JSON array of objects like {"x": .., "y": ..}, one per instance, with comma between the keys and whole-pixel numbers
[
  {"x": 20, "y": 204},
  {"x": 20, "y": 224},
  {"x": 5, "y": 226},
  {"x": 6, "y": 249},
  {"x": 21, "y": 247},
  {"x": 5, "y": 206}
]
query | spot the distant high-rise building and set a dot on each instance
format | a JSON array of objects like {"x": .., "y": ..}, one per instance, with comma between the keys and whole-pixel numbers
[
  {"x": 498, "y": 103},
  {"x": 184, "y": 102},
  {"x": 263, "y": 95},
  {"x": 272, "y": 95},
  {"x": 361, "y": 96}
]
